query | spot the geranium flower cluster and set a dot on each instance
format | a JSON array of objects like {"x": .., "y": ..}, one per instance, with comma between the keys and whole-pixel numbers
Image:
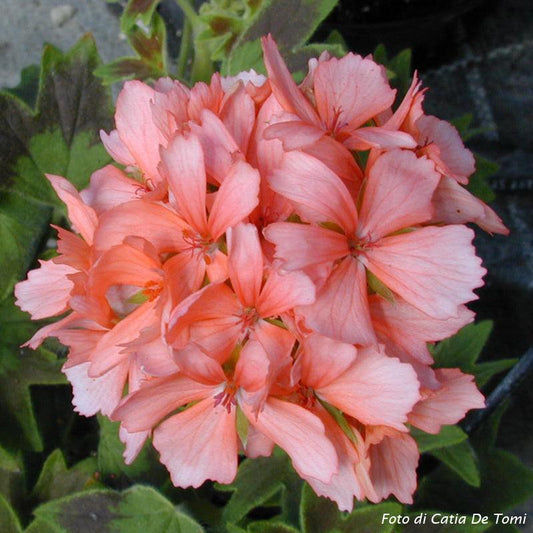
[{"x": 266, "y": 265}]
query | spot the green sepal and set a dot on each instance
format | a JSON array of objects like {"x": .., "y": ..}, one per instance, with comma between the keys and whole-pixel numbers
[
  {"x": 378, "y": 287},
  {"x": 339, "y": 417}
]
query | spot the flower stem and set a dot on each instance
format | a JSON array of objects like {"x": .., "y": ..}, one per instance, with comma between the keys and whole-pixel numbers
[{"x": 185, "y": 49}]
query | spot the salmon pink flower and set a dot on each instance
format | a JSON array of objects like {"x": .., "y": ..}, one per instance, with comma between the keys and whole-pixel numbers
[
  {"x": 346, "y": 94},
  {"x": 201, "y": 442},
  {"x": 246, "y": 278},
  {"x": 217, "y": 318},
  {"x": 433, "y": 268}
]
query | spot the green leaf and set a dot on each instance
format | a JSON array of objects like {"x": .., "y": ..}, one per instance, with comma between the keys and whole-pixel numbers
[
  {"x": 243, "y": 426},
  {"x": 15, "y": 329},
  {"x": 23, "y": 227},
  {"x": 448, "y": 436},
  {"x": 463, "y": 349},
  {"x": 503, "y": 528},
  {"x": 505, "y": 483},
  {"x": 56, "y": 480},
  {"x": 291, "y": 23},
  {"x": 248, "y": 55},
  {"x": 60, "y": 136},
  {"x": 137, "y": 10},
  {"x": 335, "y": 37},
  {"x": 478, "y": 184},
  {"x": 398, "y": 68},
  {"x": 18, "y": 427},
  {"x": 462, "y": 124},
  {"x": 12, "y": 254},
  {"x": 256, "y": 482},
  {"x": 71, "y": 102},
  {"x": 12, "y": 483},
  {"x": 125, "y": 68},
  {"x": 28, "y": 87},
  {"x": 9, "y": 523},
  {"x": 462, "y": 459},
  {"x": 270, "y": 527},
  {"x": 369, "y": 519},
  {"x": 150, "y": 61},
  {"x": 137, "y": 510},
  {"x": 401, "y": 66},
  {"x": 318, "y": 515},
  {"x": 484, "y": 371},
  {"x": 111, "y": 461}
]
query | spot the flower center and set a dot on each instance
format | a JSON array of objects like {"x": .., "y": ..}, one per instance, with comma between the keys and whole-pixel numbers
[
  {"x": 226, "y": 398},
  {"x": 358, "y": 245},
  {"x": 305, "y": 396},
  {"x": 152, "y": 290},
  {"x": 249, "y": 317}
]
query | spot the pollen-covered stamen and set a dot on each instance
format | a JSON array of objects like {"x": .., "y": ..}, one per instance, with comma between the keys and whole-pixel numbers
[
  {"x": 197, "y": 242},
  {"x": 358, "y": 245},
  {"x": 337, "y": 125},
  {"x": 305, "y": 396},
  {"x": 423, "y": 145},
  {"x": 226, "y": 398},
  {"x": 145, "y": 185},
  {"x": 249, "y": 317},
  {"x": 152, "y": 290}
]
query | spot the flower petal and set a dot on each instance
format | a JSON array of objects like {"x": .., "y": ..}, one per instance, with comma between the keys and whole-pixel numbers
[
  {"x": 449, "y": 404},
  {"x": 300, "y": 246},
  {"x": 341, "y": 307},
  {"x": 283, "y": 291},
  {"x": 408, "y": 329},
  {"x": 300, "y": 434},
  {"x": 109, "y": 187},
  {"x": 393, "y": 467},
  {"x": 433, "y": 268},
  {"x": 294, "y": 134},
  {"x": 381, "y": 138},
  {"x": 143, "y": 409},
  {"x": 100, "y": 394},
  {"x": 318, "y": 194},
  {"x": 376, "y": 390},
  {"x": 149, "y": 220},
  {"x": 183, "y": 161},
  {"x": 136, "y": 126},
  {"x": 47, "y": 290},
  {"x": 397, "y": 194},
  {"x": 323, "y": 360},
  {"x": 351, "y": 91},
  {"x": 198, "y": 444},
  {"x": 82, "y": 217},
  {"x": 455, "y": 205},
  {"x": 283, "y": 86},
  {"x": 245, "y": 263},
  {"x": 236, "y": 198}
]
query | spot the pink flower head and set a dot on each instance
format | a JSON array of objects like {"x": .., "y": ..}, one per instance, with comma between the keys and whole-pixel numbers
[
  {"x": 397, "y": 197},
  {"x": 245, "y": 280}
]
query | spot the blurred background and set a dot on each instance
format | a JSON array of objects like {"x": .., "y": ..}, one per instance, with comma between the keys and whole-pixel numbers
[{"x": 475, "y": 55}]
